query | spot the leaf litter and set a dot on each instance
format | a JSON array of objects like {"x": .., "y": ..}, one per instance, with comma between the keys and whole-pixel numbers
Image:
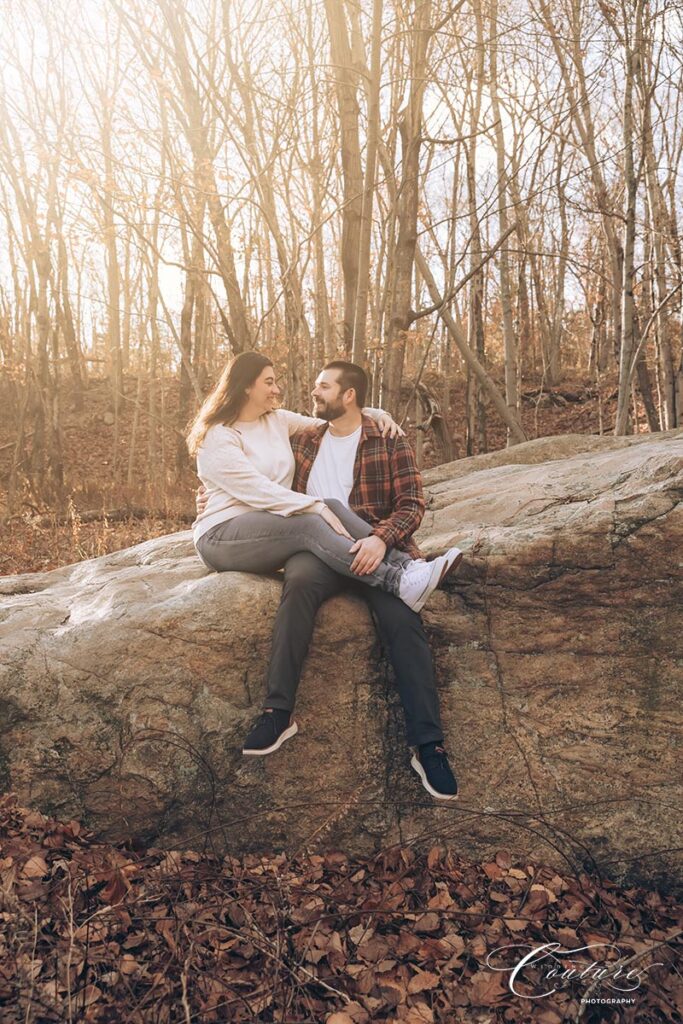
[{"x": 95, "y": 932}]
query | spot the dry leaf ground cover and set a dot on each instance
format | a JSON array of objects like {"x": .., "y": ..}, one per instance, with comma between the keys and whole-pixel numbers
[{"x": 94, "y": 932}]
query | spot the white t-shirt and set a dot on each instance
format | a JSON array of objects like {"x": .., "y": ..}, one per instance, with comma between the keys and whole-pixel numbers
[{"x": 331, "y": 475}]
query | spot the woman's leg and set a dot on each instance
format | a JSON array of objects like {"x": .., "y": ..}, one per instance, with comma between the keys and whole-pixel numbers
[
  {"x": 358, "y": 528},
  {"x": 263, "y": 541}
]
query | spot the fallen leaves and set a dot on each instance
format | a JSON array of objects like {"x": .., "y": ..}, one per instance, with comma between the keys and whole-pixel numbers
[
  {"x": 422, "y": 981},
  {"x": 35, "y": 867},
  {"x": 92, "y": 932},
  {"x": 488, "y": 989}
]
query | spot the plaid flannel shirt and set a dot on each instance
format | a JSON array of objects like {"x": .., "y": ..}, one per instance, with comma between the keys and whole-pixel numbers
[{"x": 387, "y": 487}]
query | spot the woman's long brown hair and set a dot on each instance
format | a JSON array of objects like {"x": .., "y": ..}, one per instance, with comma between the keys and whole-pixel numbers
[{"x": 228, "y": 396}]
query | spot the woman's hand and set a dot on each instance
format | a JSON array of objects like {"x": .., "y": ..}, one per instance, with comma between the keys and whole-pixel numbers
[
  {"x": 389, "y": 426},
  {"x": 336, "y": 524},
  {"x": 201, "y": 499}
]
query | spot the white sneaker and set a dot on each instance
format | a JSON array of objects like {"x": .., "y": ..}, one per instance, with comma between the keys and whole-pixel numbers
[
  {"x": 453, "y": 558},
  {"x": 419, "y": 579}
]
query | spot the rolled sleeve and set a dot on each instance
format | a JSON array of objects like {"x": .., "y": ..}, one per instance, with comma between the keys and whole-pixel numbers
[{"x": 408, "y": 502}]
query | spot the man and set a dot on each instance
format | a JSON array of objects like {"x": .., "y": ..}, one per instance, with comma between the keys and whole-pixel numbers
[{"x": 378, "y": 479}]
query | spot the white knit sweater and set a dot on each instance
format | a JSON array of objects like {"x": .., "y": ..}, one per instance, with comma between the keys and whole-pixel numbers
[{"x": 250, "y": 466}]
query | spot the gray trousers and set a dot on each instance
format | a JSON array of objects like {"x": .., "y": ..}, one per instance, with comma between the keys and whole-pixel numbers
[{"x": 264, "y": 541}]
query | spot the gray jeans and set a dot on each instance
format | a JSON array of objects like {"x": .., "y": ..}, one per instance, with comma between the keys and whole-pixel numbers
[{"x": 263, "y": 541}]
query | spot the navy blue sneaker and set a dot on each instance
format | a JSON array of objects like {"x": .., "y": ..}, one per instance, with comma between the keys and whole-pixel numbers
[
  {"x": 269, "y": 732},
  {"x": 431, "y": 763}
]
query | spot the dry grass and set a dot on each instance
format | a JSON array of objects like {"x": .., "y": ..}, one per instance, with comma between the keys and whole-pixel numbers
[{"x": 32, "y": 544}]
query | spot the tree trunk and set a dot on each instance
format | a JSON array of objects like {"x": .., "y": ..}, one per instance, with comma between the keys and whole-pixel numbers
[
  {"x": 113, "y": 336},
  {"x": 632, "y": 54},
  {"x": 508, "y": 416},
  {"x": 510, "y": 341},
  {"x": 361, "y": 312},
  {"x": 198, "y": 139},
  {"x": 410, "y": 127},
  {"x": 346, "y": 81},
  {"x": 658, "y": 230}
]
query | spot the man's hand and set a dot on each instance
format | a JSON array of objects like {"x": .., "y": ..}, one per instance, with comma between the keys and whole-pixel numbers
[
  {"x": 369, "y": 553},
  {"x": 201, "y": 500},
  {"x": 389, "y": 426}
]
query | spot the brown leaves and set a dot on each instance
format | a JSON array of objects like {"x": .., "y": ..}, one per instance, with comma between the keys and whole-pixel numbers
[
  {"x": 427, "y": 923},
  {"x": 100, "y": 934},
  {"x": 423, "y": 981},
  {"x": 488, "y": 989},
  {"x": 35, "y": 867}
]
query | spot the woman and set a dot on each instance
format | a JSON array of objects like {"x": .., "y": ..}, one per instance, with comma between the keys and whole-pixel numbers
[{"x": 253, "y": 521}]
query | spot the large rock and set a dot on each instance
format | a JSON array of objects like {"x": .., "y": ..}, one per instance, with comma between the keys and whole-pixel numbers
[{"x": 127, "y": 682}]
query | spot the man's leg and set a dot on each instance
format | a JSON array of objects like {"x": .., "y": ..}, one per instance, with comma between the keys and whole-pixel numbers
[
  {"x": 403, "y": 636},
  {"x": 404, "y": 639},
  {"x": 308, "y": 582}
]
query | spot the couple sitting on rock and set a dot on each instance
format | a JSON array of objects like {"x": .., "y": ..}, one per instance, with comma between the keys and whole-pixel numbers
[{"x": 334, "y": 500}]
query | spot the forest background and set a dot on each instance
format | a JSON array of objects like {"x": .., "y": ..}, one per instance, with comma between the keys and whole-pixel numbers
[{"x": 478, "y": 201}]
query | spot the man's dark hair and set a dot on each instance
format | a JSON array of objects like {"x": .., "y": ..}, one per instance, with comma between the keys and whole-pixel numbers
[{"x": 351, "y": 376}]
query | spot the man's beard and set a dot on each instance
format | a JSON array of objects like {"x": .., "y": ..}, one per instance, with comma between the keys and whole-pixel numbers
[{"x": 329, "y": 411}]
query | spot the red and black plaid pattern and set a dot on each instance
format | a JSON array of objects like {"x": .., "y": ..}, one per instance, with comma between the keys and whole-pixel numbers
[{"x": 387, "y": 488}]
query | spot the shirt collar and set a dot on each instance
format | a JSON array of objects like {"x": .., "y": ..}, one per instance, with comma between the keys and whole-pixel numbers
[{"x": 369, "y": 428}]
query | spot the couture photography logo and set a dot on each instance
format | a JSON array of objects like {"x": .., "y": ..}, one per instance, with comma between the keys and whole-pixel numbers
[{"x": 600, "y": 971}]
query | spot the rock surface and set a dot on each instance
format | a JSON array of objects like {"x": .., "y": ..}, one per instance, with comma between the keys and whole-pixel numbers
[{"x": 127, "y": 682}]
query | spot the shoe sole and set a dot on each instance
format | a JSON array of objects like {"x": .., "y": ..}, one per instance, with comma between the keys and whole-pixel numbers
[
  {"x": 447, "y": 567},
  {"x": 420, "y": 601},
  {"x": 287, "y": 734},
  {"x": 414, "y": 763}
]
